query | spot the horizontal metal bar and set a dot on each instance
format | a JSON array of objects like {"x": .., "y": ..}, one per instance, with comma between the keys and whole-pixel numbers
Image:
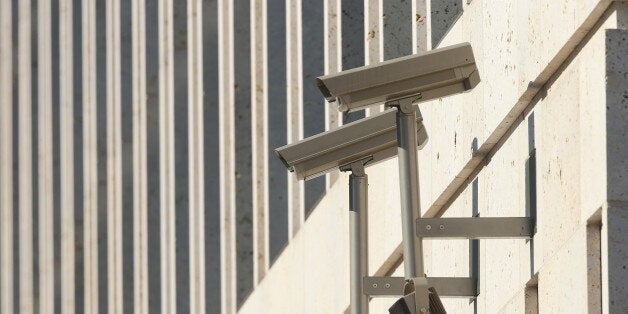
[
  {"x": 444, "y": 286},
  {"x": 454, "y": 286},
  {"x": 475, "y": 228}
]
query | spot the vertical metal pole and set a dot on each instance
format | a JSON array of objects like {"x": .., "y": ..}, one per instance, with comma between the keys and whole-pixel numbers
[
  {"x": 358, "y": 233},
  {"x": 409, "y": 188}
]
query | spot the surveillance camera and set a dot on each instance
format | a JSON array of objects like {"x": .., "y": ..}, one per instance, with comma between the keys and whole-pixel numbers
[
  {"x": 374, "y": 137},
  {"x": 436, "y": 73}
]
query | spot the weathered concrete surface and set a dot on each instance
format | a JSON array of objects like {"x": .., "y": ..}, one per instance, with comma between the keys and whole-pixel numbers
[
  {"x": 617, "y": 113},
  {"x": 302, "y": 291},
  {"x": 333, "y": 63},
  {"x": 152, "y": 163},
  {"x": 397, "y": 28},
  {"x": 352, "y": 31},
  {"x": 614, "y": 258},
  {"x": 513, "y": 42},
  {"x": 567, "y": 157},
  {"x": 313, "y": 59},
  {"x": 212, "y": 164},
  {"x": 615, "y": 214},
  {"x": 243, "y": 153},
  {"x": 444, "y": 14},
  {"x": 294, "y": 110},
  {"x": 226, "y": 111},
  {"x": 563, "y": 280},
  {"x": 259, "y": 140},
  {"x": 182, "y": 105},
  {"x": 373, "y": 31},
  {"x": 374, "y": 38},
  {"x": 277, "y": 127}
]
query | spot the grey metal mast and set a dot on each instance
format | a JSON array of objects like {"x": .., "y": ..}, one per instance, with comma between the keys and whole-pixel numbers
[
  {"x": 409, "y": 185},
  {"x": 358, "y": 234}
]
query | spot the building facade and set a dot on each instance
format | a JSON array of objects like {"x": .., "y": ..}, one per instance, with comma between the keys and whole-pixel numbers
[{"x": 137, "y": 171}]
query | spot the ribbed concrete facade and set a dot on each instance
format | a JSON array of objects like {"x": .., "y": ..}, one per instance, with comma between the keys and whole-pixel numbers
[{"x": 137, "y": 171}]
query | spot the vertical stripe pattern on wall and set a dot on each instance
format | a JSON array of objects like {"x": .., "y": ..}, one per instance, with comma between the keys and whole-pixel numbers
[
  {"x": 6, "y": 158},
  {"x": 45, "y": 170},
  {"x": 137, "y": 171},
  {"x": 294, "y": 111},
  {"x": 167, "y": 190},
  {"x": 372, "y": 25},
  {"x": 56, "y": 111},
  {"x": 259, "y": 140},
  {"x": 140, "y": 208},
  {"x": 77, "y": 114},
  {"x": 243, "y": 154},
  {"x": 66, "y": 158},
  {"x": 196, "y": 157},
  {"x": 180, "y": 141},
  {"x": 333, "y": 53},
  {"x": 126, "y": 154},
  {"x": 114, "y": 163},
  {"x": 422, "y": 27},
  {"x": 34, "y": 234},
  {"x": 226, "y": 157},
  {"x": 277, "y": 127},
  {"x": 352, "y": 44},
  {"x": 373, "y": 45},
  {"x": 102, "y": 162},
  {"x": 211, "y": 148},
  {"x": 25, "y": 156},
  {"x": 153, "y": 158},
  {"x": 444, "y": 13},
  {"x": 15, "y": 238},
  {"x": 312, "y": 17},
  {"x": 90, "y": 159},
  {"x": 397, "y": 28}
]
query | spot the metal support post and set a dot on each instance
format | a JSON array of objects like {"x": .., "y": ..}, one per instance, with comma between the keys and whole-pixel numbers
[
  {"x": 358, "y": 234},
  {"x": 409, "y": 185}
]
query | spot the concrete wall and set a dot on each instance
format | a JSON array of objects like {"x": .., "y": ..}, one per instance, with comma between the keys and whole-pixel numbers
[
  {"x": 137, "y": 170},
  {"x": 555, "y": 159}
]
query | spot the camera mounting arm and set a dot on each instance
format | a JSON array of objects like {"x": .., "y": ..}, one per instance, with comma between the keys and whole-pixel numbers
[
  {"x": 409, "y": 182},
  {"x": 358, "y": 232}
]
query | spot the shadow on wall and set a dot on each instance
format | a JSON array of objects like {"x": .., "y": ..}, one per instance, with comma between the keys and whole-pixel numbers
[
  {"x": 444, "y": 14},
  {"x": 313, "y": 20},
  {"x": 530, "y": 184}
]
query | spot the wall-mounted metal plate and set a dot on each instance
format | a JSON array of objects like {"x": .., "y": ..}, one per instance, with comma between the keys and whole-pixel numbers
[
  {"x": 475, "y": 228},
  {"x": 445, "y": 286}
]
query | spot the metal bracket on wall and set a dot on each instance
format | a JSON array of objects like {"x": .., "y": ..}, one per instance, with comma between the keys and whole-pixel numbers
[
  {"x": 446, "y": 286},
  {"x": 418, "y": 297},
  {"x": 476, "y": 228}
]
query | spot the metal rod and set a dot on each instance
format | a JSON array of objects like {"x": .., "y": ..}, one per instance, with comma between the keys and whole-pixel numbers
[
  {"x": 358, "y": 232},
  {"x": 409, "y": 189}
]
